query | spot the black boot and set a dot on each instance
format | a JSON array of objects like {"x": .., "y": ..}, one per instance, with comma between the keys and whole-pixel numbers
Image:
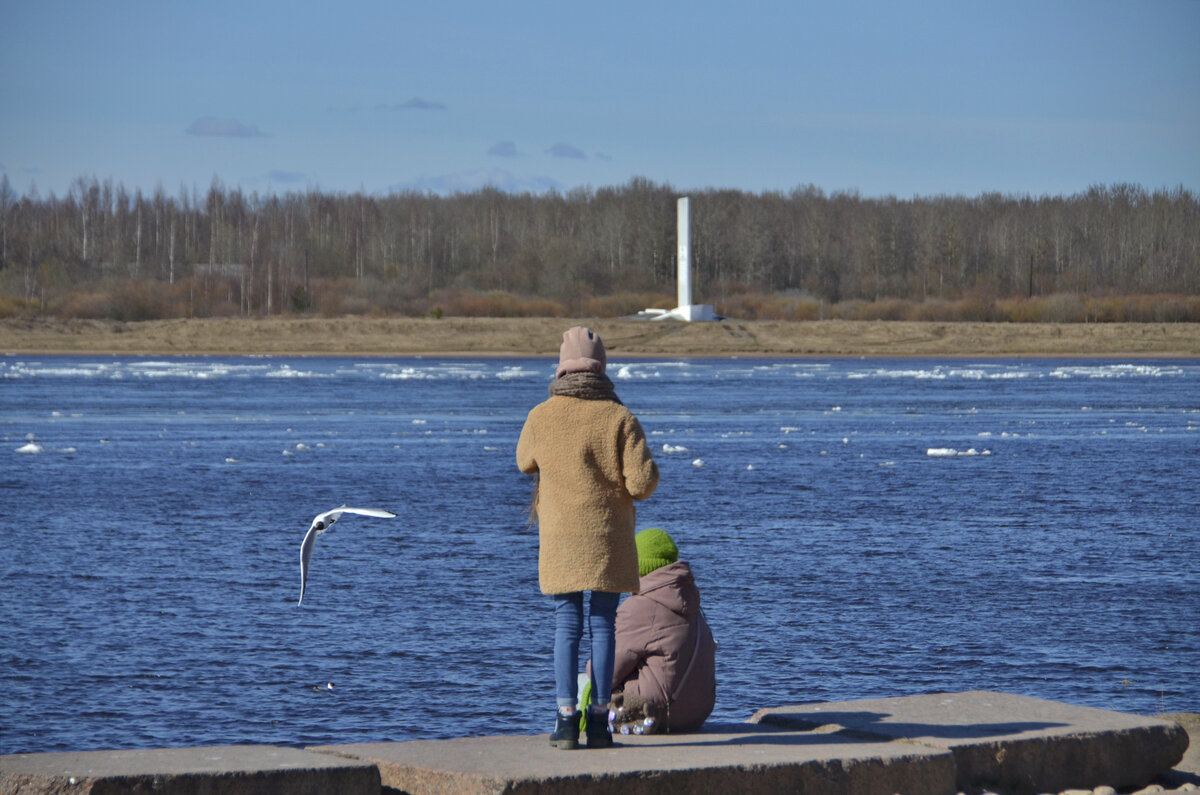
[
  {"x": 566, "y": 732},
  {"x": 598, "y": 735}
]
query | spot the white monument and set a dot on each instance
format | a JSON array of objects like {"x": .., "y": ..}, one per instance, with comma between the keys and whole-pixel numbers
[{"x": 686, "y": 310}]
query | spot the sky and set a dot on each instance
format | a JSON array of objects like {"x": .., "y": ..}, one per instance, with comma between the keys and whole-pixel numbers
[{"x": 878, "y": 97}]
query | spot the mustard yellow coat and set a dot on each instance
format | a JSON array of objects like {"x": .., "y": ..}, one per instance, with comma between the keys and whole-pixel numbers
[{"x": 593, "y": 463}]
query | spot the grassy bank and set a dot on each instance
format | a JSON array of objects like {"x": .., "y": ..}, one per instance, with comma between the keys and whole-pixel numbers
[{"x": 541, "y": 336}]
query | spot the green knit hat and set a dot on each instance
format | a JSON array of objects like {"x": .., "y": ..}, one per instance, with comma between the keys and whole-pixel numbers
[{"x": 655, "y": 550}]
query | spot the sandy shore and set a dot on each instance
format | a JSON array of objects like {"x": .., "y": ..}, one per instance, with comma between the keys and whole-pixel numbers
[{"x": 363, "y": 336}]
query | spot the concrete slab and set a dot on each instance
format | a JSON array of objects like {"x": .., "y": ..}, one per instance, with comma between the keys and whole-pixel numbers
[
  {"x": 211, "y": 770},
  {"x": 1187, "y": 770},
  {"x": 1007, "y": 742},
  {"x": 741, "y": 758}
]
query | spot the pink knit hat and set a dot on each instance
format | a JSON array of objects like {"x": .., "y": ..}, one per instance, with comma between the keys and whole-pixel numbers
[{"x": 581, "y": 352}]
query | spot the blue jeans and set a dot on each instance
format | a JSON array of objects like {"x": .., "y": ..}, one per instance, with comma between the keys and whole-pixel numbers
[{"x": 568, "y": 630}]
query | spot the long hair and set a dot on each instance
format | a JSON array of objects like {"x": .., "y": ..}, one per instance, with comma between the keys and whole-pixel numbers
[{"x": 531, "y": 516}]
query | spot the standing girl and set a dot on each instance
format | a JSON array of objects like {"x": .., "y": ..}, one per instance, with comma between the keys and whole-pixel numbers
[{"x": 590, "y": 459}]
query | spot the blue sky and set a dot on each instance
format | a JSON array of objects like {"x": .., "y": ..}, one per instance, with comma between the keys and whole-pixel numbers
[{"x": 883, "y": 98}]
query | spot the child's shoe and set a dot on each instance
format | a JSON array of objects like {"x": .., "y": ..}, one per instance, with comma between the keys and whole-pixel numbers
[
  {"x": 598, "y": 733},
  {"x": 566, "y": 732}
]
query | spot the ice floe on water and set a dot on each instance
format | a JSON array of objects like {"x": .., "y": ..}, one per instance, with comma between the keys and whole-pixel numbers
[
  {"x": 646, "y": 370},
  {"x": 270, "y": 367},
  {"x": 1115, "y": 371},
  {"x": 517, "y": 371},
  {"x": 287, "y": 371},
  {"x": 674, "y": 448},
  {"x": 30, "y": 448},
  {"x": 518, "y": 368},
  {"x": 951, "y": 452}
]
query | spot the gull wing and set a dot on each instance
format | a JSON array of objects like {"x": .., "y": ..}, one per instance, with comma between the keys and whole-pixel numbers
[
  {"x": 306, "y": 550},
  {"x": 327, "y": 519},
  {"x": 369, "y": 512}
]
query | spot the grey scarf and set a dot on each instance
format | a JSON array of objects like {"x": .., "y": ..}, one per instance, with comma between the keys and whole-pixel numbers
[{"x": 585, "y": 385}]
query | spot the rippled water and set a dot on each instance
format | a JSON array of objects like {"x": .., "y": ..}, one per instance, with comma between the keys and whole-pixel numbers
[{"x": 859, "y": 528}]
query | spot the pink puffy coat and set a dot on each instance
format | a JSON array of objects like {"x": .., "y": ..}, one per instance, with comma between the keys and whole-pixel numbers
[{"x": 665, "y": 650}]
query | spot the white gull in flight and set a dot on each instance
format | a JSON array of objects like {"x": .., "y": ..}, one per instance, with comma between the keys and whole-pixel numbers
[{"x": 320, "y": 524}]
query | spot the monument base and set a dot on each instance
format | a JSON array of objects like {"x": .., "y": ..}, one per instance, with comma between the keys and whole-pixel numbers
[{"x": 688, "y": 314}]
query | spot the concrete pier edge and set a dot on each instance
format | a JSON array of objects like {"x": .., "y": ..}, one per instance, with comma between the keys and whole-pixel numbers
[{"x": 940, "y": 744}]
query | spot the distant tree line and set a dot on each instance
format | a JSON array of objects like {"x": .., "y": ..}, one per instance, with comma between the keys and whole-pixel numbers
[{"x": 102, "y": 251}]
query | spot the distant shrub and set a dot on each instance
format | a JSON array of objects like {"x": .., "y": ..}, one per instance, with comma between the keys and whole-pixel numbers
[
  {"x": 1106, "y": 309},
  {"x": 1176, "y": 309},
  {"x": 495, "y": 303},
  {"x": 761, "y": 306},
  {"x": 300, "y": 299},
  {"x": 12, "y": 306},
  {"x": 935, "y": 310},
  {"x": 133, "y": 301},
  {"x": 85, "y": 306},
  {"x": 885, "y": 309}
]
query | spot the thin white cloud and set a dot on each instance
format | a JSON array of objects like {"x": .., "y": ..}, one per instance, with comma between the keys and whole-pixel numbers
[
  {"x": 416, "y": 103},
  {"x": 212, "y": 127},
  {"x": 567, "y": 151},
  {"x": 503, "y": 149}
]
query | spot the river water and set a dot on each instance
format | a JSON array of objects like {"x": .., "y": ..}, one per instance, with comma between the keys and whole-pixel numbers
[{"x": 858, "y": 529}]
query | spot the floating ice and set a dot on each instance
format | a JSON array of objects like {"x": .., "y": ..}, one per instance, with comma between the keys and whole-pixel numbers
[
  {"x": 698, "y": 462},
  {"x": 407, "y": 374},
  {"x": 653, "y": 369},
  {"x": 29, "y": 447},
  {"x": 517, "y": 371},
  {"x": 949, "y": 452},
  {"x": 286, "y": 371},
  {"x": 674, "y": 448}
]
